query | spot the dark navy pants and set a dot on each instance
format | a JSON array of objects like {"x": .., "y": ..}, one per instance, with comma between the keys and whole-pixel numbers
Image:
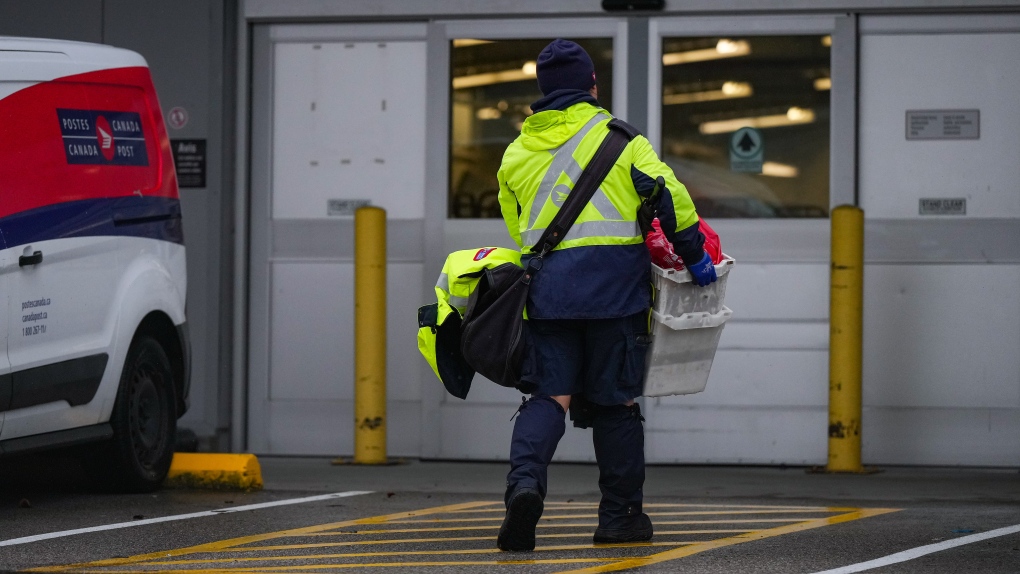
[{"x": 604, "y": 360}]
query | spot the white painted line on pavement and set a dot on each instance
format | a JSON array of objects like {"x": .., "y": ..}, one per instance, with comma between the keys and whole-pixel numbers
[
  {"x": 923, "y": 550},
  {"x": 229, "y": 510}
]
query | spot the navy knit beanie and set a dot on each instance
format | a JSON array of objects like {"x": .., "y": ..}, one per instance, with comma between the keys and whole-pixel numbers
[{"x": 564, "y": 64}]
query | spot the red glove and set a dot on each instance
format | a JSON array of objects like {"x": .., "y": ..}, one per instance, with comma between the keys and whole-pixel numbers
[{"x": 661, "y": 249}]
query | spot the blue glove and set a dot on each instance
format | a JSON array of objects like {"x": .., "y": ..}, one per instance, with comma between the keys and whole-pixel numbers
[{"x": 703, "y": 272}]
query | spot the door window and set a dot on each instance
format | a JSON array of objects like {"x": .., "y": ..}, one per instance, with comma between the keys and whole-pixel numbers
[
  {"x": 712, "y": 87},
  {"x": 492, "y": 88}
]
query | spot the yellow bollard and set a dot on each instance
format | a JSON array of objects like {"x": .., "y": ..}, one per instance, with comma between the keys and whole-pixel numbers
[
  {"x": 845, "y": 339},
  {"x": 370, "y": 336}
]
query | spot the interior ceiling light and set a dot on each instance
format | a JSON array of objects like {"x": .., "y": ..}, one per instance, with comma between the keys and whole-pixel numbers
[
  {"x": 465, "y": 42},
  {"x": 800, "y": 115},
  {"x": 525, "y": 72},
  {"x": 775, "y": 169},
  {"x": 827, "y": 41},
  {"x": 488, "y": 114},
  {"x": 728, "y": 90},
  {"x": 725, "y": 46},
  {"x": 793, "y": 116},
  {"x": 723, "y": 49},
  {"x": 823, "y": 84}
]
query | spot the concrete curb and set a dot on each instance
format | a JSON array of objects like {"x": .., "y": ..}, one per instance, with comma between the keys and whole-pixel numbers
[{"x": 214, "y": 471}]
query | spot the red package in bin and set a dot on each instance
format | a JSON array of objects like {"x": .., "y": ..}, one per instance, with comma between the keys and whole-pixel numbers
[
  {"x": 662, "y": 252},
  {"x": 712, "y": 244}
]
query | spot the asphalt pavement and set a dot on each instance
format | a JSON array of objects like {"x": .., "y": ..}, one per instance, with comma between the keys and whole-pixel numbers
[{"x": 433, "y": 516}]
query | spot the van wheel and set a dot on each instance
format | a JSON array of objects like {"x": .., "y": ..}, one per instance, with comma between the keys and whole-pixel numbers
[{"x": 144, "y": 419}]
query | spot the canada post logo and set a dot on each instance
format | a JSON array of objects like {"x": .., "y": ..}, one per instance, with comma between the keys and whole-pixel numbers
[
  {"x": 483, "y": 253},
  {"x": 94, "y": 137}
]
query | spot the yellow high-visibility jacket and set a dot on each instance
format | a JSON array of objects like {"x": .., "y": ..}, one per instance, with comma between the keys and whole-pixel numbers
[
  {"x": 439, "y": 322},
  {"x": 601, "y": 268}
]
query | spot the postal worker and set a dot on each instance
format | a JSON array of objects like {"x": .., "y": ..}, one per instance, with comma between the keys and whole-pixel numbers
[{"x": 588, "y": 310}]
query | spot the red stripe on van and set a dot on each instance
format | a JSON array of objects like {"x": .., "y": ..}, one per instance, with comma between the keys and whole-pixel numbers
[{"x": 34, "y": 167}]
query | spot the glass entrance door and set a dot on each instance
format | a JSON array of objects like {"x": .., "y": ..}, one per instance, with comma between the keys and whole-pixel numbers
[
  {"x": 713, "y": 87},
  {"x": 491, "y": 86},
  {"x": 745, "y": 112}
]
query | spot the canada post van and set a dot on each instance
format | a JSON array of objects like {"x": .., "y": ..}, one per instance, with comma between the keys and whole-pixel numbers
[{"x": 94, "y": 346}]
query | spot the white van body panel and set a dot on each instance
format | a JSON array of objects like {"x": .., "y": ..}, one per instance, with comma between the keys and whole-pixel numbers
[
  {"x": 39, "y": 60},
  {"x": 76, "y": 284},
  {"x": 148, "y": 275}
]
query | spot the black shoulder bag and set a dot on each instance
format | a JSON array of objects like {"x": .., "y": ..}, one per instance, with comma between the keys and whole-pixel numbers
[{"x": 492, "y": 334}]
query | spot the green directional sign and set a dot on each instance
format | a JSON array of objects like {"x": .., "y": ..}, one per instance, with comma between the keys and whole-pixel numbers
[{"x": 747, "y": 151}]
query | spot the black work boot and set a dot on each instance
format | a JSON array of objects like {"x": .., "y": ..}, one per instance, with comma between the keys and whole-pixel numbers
[
  {"x": 620, "y": 451},
  {"x": 517, "y": 534},
  {"x": 634, "y": 526},
  {"x": 539, "y": 427}
]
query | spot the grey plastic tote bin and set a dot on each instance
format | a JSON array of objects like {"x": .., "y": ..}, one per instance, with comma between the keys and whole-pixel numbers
[
  {"x": 680, "y": 360},
  {"x": 687, "y": 323},
  {"x": 676, "y": 295}
]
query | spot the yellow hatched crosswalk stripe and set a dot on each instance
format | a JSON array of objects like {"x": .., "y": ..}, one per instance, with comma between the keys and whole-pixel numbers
[
  {"x": 499, "y": 519},
  {"x": 232, "y": 542},
  {"x": 407, "y": 530},
  {"x": 692, "y": 549},
  {"x": 471, "y": 551},
  {"x": 368, "y": 539},
  {"x": 437, "y": 539},
  {"x": 686, "y": 512},
  {"x": 319, "y": 567},
  {"x": 586, "y": 505}
]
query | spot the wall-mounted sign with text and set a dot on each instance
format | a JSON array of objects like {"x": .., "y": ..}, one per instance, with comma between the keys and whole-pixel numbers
[
  {"x": 943, "y": 124},
  {"x": 189, "y": 159},
  {"x": 344, "y": 207},
  {"x": 943, "y": 206}
]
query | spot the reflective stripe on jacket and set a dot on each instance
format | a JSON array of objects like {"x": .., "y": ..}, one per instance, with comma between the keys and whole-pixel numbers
[{"x": 600, "y": 269}]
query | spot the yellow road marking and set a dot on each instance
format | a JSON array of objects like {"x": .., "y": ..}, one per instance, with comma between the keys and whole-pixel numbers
[
  {"x": 443, "y": 529},
  {"x": 363, "y": 565},
  {"x": 249, "y": 545},
  {"x": 690, "y": 512},
  {"x": 450, "y": 529},
  {"x": 579, "y": 506},
  {"x": 735, "y": 521},
  {"x": 664, "y": 533},
  {"x": 761, "y": 511},
  {"x": 498, "y": 520},
  {"x": 558, "y": 548},
  {"x": 221, "y": 544},
  {"x": 350, "y": 543},
  {"x": 749, "y": 537},
  {"x": 740, "y": 506},
  {"x": 413, "y": 540},
  {"x": 459, "y": 528}
]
